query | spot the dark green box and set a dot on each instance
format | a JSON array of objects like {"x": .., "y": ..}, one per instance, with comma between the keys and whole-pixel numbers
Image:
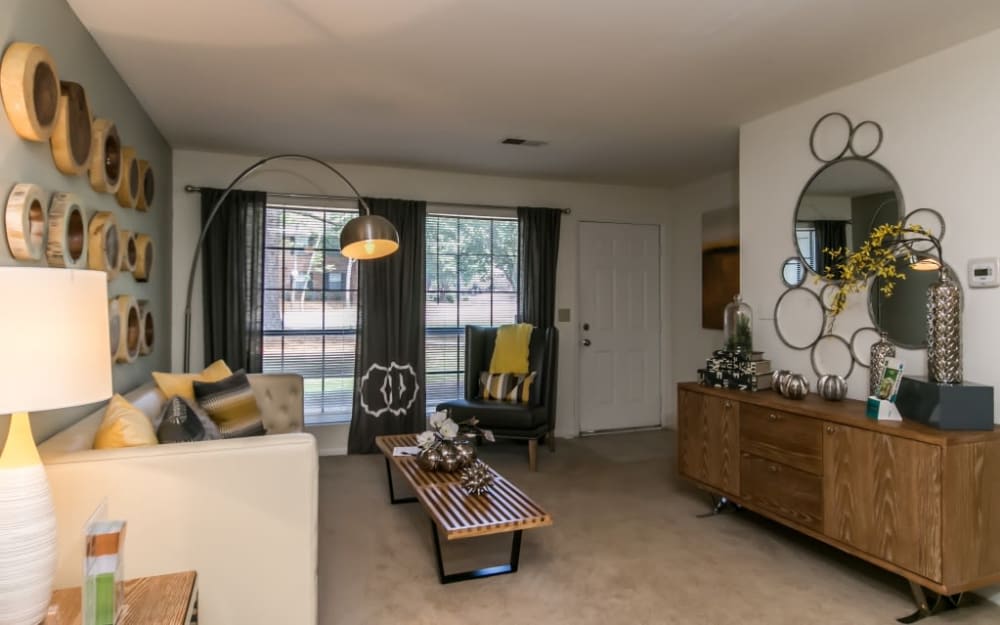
[{"x": 965, "y": 406}]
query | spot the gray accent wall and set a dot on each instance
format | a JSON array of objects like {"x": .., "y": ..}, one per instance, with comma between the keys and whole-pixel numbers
[{"x": 78, "y": 58}]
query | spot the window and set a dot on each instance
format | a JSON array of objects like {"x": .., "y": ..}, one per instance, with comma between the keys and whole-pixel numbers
[
  {"x": 805, "y": 237},
  {"x": 310, "y": 303},
  {"x": 472, "y": 269}
]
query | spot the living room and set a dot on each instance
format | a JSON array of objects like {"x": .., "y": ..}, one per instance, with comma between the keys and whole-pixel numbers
[{"x": 651, "y": 120}]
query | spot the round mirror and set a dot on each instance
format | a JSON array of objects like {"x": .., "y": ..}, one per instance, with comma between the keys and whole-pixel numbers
[
  {"x": 840, "y": 205},
  {"x": 903, "y": 315},
  {"x": 799, "y": 318},
  {"x": 793, "y": 273}
]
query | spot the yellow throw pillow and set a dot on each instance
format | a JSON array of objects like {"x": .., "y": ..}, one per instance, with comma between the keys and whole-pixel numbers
[
  {"x": 124, "y": 425},
  {"x": 510, "y": 354},
  {"x": 182, "y": 384}
]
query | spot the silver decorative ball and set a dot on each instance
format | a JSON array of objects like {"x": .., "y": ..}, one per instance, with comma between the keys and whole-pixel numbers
[
  {"x": 795, "y": 386},
  {"x": 778, "y": 379},
  {"x": 832, "y": 387},
  {"x": 477, "y": 479}
]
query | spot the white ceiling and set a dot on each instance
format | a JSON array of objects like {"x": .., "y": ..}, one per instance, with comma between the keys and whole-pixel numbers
[{"x": 640, "y": 91}]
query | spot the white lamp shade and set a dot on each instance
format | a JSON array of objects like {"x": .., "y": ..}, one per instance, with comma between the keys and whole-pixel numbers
[{"x": 54, "y": 338}]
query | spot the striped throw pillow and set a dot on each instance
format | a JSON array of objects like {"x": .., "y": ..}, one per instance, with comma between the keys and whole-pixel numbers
[
  {"x": 496, "y": 385},
  {"x": 231, "y": 404},
  {"x": 521, "y": 391}
]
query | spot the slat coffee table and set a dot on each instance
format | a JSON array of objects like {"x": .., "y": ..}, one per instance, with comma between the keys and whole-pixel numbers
[{"x": 459, "y": 515}]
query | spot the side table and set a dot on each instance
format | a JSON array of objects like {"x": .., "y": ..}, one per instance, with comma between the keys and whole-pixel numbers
[{"x": 160, "y": 600}]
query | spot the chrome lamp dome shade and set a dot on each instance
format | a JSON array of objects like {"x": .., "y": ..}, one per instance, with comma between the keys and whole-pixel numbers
[{"x": 368, "y": 237}]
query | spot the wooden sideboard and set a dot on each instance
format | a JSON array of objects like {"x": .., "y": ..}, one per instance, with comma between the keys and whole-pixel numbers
[{"x": 920, "y": 502}]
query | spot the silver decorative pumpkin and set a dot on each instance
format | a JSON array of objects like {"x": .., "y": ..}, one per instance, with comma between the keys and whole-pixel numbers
[
  {"x": 795, "y": 386},
  {"x": 778, "y": 379},
  {"x": 449, "y": 458},
  {"x": 466, "y": 453},
  {"x": 429, "y": 459},
  {"x": 832, "y": 387}
]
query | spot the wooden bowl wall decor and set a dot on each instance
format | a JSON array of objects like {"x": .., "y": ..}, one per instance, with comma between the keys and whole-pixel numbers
[
  {"x": 148, "y": 329},
  {"x": 106, "y": 163},
  {"x": 114, "y": 326},
  {"x": 29, "y": 85},
  {"x": 144, "y": 257},
  {"x": 147, "y": 186},
  {"x": 129, "y": 251},
  {"x": 128, "y": 188},
  {"x": 25, "y": 218},
  {"x": 67, "y": 244},
  {"x": 72, "y": 137},
  {"x": 104, "y": 253},
  {"x": 130, "y": 329}
]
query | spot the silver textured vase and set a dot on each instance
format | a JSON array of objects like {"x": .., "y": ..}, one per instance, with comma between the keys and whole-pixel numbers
[
  {"x": 944, "y": 330},
  {"x": 881, "y": 352}
]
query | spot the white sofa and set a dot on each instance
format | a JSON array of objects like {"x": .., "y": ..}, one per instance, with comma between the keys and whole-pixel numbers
[{"x": 241, "y": 512}]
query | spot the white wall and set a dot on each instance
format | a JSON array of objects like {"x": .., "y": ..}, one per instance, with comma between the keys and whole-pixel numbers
[
  {"x": 77, "y": 57},
  {"x": 942, "y": 137},
  {"x": 692, "y": 344},
  {"x": 588, "y": 202}
]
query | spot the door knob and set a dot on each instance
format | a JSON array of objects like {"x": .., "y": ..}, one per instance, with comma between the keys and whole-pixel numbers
[{"x": 585, "y": 342}]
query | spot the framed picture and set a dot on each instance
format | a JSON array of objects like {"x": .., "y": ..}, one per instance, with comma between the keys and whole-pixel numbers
[{"x": 720, "y": 263}]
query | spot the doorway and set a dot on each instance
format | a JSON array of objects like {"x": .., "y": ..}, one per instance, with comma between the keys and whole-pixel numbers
[{"x": 619, "y": 374}]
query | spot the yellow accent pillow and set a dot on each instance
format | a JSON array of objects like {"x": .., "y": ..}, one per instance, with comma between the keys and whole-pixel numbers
[
  {"x": 124, "y": 425},
  {"x": 510, "y": 354},
  {"x": 182, "y": 384}
]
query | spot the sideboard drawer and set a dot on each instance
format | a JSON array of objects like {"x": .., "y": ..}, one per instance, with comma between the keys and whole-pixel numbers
[
  {"x": 783, "y": 490},
  {"x": 786, "y": 438}
]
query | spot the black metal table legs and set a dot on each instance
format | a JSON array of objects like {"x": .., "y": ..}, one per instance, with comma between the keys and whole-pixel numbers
[
  {"x": 392, "y": 491},
  {"x": 502, "y": 569},
  {"x": 927, "y": 608}
]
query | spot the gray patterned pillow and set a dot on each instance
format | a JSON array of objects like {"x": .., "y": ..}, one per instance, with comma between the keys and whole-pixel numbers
[{"x": 181, "y": 421}]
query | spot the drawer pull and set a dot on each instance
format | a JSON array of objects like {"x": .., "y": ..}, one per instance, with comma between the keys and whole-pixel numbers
[
  {"x": 830, "y": 429},
  {"x": 729, "y": 404},
  {"x": 772, "y": 468},
  {"x": 772, "y": 417}
]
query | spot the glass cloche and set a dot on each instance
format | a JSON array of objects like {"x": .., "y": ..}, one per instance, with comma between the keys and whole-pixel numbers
[{"x": 737, "y": 326}]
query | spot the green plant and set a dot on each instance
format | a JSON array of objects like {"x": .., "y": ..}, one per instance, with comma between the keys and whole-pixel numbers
[{"x": 742, "y": 338}]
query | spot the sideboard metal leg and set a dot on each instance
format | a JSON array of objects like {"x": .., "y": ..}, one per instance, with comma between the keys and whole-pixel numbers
[
  {"x": 927, "y": 607},
  {"x": 719, "y": 505}
]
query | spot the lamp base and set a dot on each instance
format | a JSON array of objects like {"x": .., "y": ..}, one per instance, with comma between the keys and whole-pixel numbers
[{"x": 27, "y": 530}]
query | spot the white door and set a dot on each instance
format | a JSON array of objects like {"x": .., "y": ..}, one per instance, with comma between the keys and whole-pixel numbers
[{"x": 619, "y": 326}]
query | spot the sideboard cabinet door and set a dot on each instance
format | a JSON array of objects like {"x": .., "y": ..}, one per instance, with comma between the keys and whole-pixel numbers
[
  {"x": 882, "y": 495},
  {"x": 708, "y": 440}
]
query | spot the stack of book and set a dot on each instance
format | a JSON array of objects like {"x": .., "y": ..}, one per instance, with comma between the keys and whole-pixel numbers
[{"x": 745, "y": 371}]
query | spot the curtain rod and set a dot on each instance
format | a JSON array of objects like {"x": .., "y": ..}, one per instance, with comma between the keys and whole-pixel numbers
[{"x": 311, "y": 196}]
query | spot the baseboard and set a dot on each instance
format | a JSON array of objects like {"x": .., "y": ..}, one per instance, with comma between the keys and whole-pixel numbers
[{"x": 332, "y": 451}]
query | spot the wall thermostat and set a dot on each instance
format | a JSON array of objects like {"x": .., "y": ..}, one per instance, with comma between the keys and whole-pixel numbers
[{"x": 984, "y": 272}]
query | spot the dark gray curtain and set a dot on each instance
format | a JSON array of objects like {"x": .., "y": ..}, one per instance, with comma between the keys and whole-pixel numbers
[
  {"x": 389, "y": 368},
  {"x": 232, "y": 264},
  {"x": 830, "y": 235},
  {"x": 538, "y": 249}
]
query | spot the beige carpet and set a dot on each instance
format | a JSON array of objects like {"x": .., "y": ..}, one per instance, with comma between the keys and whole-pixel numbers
[{"x": 626, "y": 548}]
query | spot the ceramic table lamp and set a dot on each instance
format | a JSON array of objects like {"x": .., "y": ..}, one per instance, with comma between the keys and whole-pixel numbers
[{"x": 54, "y": 341}]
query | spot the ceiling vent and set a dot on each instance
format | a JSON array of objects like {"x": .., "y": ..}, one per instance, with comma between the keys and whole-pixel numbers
[{"x": 531, "y": 143}]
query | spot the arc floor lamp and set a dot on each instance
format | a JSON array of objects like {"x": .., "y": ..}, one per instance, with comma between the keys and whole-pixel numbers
[{"x": 366, "y": 237}]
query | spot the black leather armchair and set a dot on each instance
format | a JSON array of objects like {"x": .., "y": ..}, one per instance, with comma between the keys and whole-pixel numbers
[{"x": 533, "y": 421}]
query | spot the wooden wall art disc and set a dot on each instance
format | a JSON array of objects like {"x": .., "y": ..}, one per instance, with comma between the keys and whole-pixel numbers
[
  {"x": 67, "y": 244},
  {"x": 25, "y": 218},
  {"x": 114, "y": 326},
  {"x": 144, "y": 257},
  {"x": 104, "y": 245},
  {"x": 148, "y": 329},
  {"x": 106, "y": 163},
  {"x": 29, "y": 85},
  {"x": 147, "y": 186},
  {"x": 72, "y": 137},
  {"x": 129, "y": 252},
  {"x": 130, "y": 329},
  {"x": 128, "y": 188}
]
